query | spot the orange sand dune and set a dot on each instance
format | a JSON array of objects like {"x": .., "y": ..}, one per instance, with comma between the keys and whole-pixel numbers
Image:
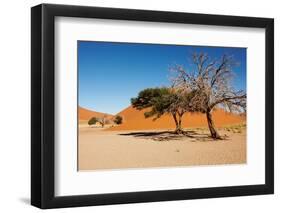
[
  {"x": 134, "y": 119},
  {"x": 85, "y": 114}
]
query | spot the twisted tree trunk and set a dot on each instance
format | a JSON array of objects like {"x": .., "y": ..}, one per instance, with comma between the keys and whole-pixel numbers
[
  {"x": 211, "y": 125},
  {"x": 178, "y": 129}
]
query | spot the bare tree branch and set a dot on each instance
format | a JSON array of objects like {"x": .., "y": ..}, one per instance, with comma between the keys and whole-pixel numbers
[{"x": 211, "y": 83}]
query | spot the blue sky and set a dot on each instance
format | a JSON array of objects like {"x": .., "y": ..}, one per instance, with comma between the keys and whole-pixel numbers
[{"x": 110, "y": 74}]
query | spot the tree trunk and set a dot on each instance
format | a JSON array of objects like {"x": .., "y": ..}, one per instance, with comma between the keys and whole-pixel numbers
[
  {"x": 211, "y": 125},
  {"x": 178, "y": 129}
]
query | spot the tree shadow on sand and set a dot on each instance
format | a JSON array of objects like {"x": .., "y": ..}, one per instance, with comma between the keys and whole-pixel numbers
[{"x": 169, "y": 135}]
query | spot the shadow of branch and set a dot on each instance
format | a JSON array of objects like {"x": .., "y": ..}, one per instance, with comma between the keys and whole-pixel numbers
[{"x": 169, "y": 135}]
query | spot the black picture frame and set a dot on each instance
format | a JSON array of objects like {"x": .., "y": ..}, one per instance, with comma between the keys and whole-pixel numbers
[{"x": 43, "y": 114}]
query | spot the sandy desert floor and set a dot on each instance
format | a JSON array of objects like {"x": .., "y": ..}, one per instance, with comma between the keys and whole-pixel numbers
[{"x": 99, "y": 149}]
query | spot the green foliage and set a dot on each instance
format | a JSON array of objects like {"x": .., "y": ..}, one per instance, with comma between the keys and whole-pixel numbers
[
  {"x": 163, "y": 100},
  {"x": 159, "y": 99},
  {"x": 118, "y": 119},
  {"x": 93, "y": 121},
  {"x": 147, "y": 97}
]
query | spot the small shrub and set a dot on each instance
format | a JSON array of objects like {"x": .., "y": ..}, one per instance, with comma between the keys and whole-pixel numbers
[
  {"x": 92, "y": 121},
  {"x": 118, "y": 119}
]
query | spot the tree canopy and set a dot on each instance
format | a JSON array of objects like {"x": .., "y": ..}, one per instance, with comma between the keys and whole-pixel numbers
[
  {"x": 205, "y": 85},
  {"x": 164, "y": 100},
  {"x": 92, "y": 121},
  {"x": 211, "y": 80},
  {"x": 118, "y": 119}
]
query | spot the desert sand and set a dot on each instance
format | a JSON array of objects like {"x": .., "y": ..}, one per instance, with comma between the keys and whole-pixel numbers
[
  {"x": 141, "y": 142},
  {"x": 99, "y": 149}
]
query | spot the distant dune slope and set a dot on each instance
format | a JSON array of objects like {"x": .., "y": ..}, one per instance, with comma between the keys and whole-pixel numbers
[
  {"x": 134, "y": 119},
  {"x": 85, "y": 114}
]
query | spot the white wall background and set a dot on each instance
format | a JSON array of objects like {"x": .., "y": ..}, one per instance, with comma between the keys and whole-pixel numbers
[{"x": 15, "y": 105}]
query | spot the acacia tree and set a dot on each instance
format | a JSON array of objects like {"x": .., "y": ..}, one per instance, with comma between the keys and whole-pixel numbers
[
  {"x": 211, "y": 82},
  {"x": 103, "y": 120},
  {"x": 92, "y": 121},
  {"x": 164, "y": 101},
  {"x": 118, "y": 119}
]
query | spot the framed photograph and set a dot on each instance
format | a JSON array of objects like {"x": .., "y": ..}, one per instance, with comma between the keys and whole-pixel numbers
[{"x": 136, "y": 106}]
